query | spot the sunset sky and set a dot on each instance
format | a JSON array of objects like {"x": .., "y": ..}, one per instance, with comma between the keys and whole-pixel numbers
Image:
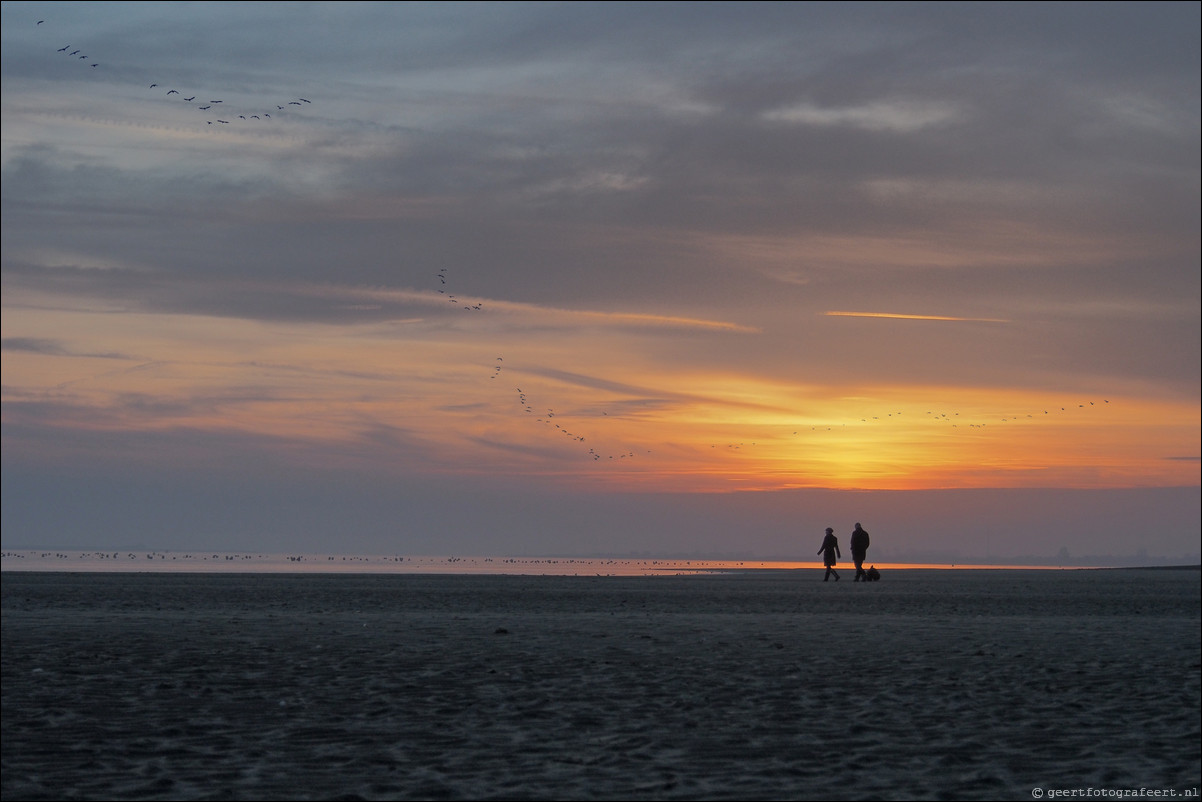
[{"x": 514, "y": 278}]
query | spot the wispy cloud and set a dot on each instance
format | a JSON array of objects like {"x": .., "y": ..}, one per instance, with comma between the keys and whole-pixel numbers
[
  {"x": 895, "y": 115},
  {"x": 33, "y": 345},
  {"x": 50, "y": 347},
  {"x": 901, "y": 316}
]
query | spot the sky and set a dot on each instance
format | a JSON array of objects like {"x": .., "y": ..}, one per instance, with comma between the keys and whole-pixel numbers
[{"x": 602, "y": 278}]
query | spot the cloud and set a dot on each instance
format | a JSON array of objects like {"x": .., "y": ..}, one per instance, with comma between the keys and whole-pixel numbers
[
  {"x": 49, "y": 347},
  {"x": 33, "y": 345},
  {"x": 661, "y": 215},
  {"x": 900, "y": 316},
  {"x": 267, "y": 299},
  {"x": 893, "y": 115}
]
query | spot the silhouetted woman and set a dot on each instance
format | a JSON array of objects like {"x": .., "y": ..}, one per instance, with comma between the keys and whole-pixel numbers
[{"x": 830, "y": 550}]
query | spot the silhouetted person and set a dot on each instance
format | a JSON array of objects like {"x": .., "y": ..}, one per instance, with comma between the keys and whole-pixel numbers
[
  {"x": 830, "y": 550},
  {"x": 859, "y": 550}
]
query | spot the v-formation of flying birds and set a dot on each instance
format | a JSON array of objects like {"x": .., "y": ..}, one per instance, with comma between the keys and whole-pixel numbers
[
  {"x": 442, "y": 290},
  {"x": 547, "y": 417},
  {"x": 215, "y": 113}
]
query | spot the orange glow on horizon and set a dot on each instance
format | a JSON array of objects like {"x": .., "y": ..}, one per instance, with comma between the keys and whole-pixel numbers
[
  {"x": 363, "y": 395},
  {"x": 227, "y": 562}
]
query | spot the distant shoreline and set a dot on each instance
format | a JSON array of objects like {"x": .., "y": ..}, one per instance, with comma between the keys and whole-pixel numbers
[{"x": 125, "y": 561}]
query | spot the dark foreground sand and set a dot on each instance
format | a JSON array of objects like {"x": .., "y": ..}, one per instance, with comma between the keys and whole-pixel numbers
[{"x": 753, "y": 685}]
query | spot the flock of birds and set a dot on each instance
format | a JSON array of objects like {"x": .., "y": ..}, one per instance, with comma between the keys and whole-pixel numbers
[
  {"x": 102, "y": 556},
  {"x": 954, "y": 419},
  {"x": 560, "y": 428},
  {"x": 216, "y": 112},
  {"x": 546, "y": 418},
  {"x": 421, "y": 563},
  {"x": 467, "y": 307}
]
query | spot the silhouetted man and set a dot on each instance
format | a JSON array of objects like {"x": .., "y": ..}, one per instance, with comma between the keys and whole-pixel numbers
[{"x": 859, "y": 550}]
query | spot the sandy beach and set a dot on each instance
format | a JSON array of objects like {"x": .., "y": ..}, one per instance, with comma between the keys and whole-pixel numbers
[{"x": 734, "y": 685}]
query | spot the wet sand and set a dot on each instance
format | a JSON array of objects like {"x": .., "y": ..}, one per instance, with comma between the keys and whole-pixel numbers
[{"x": 737, "y": 685}]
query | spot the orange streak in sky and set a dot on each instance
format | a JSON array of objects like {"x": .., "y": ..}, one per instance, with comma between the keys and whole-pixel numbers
[{"x": 897, "y": 316}]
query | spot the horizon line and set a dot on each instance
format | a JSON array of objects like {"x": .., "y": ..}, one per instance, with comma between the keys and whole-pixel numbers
[{"x": 167, "y": 561}]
